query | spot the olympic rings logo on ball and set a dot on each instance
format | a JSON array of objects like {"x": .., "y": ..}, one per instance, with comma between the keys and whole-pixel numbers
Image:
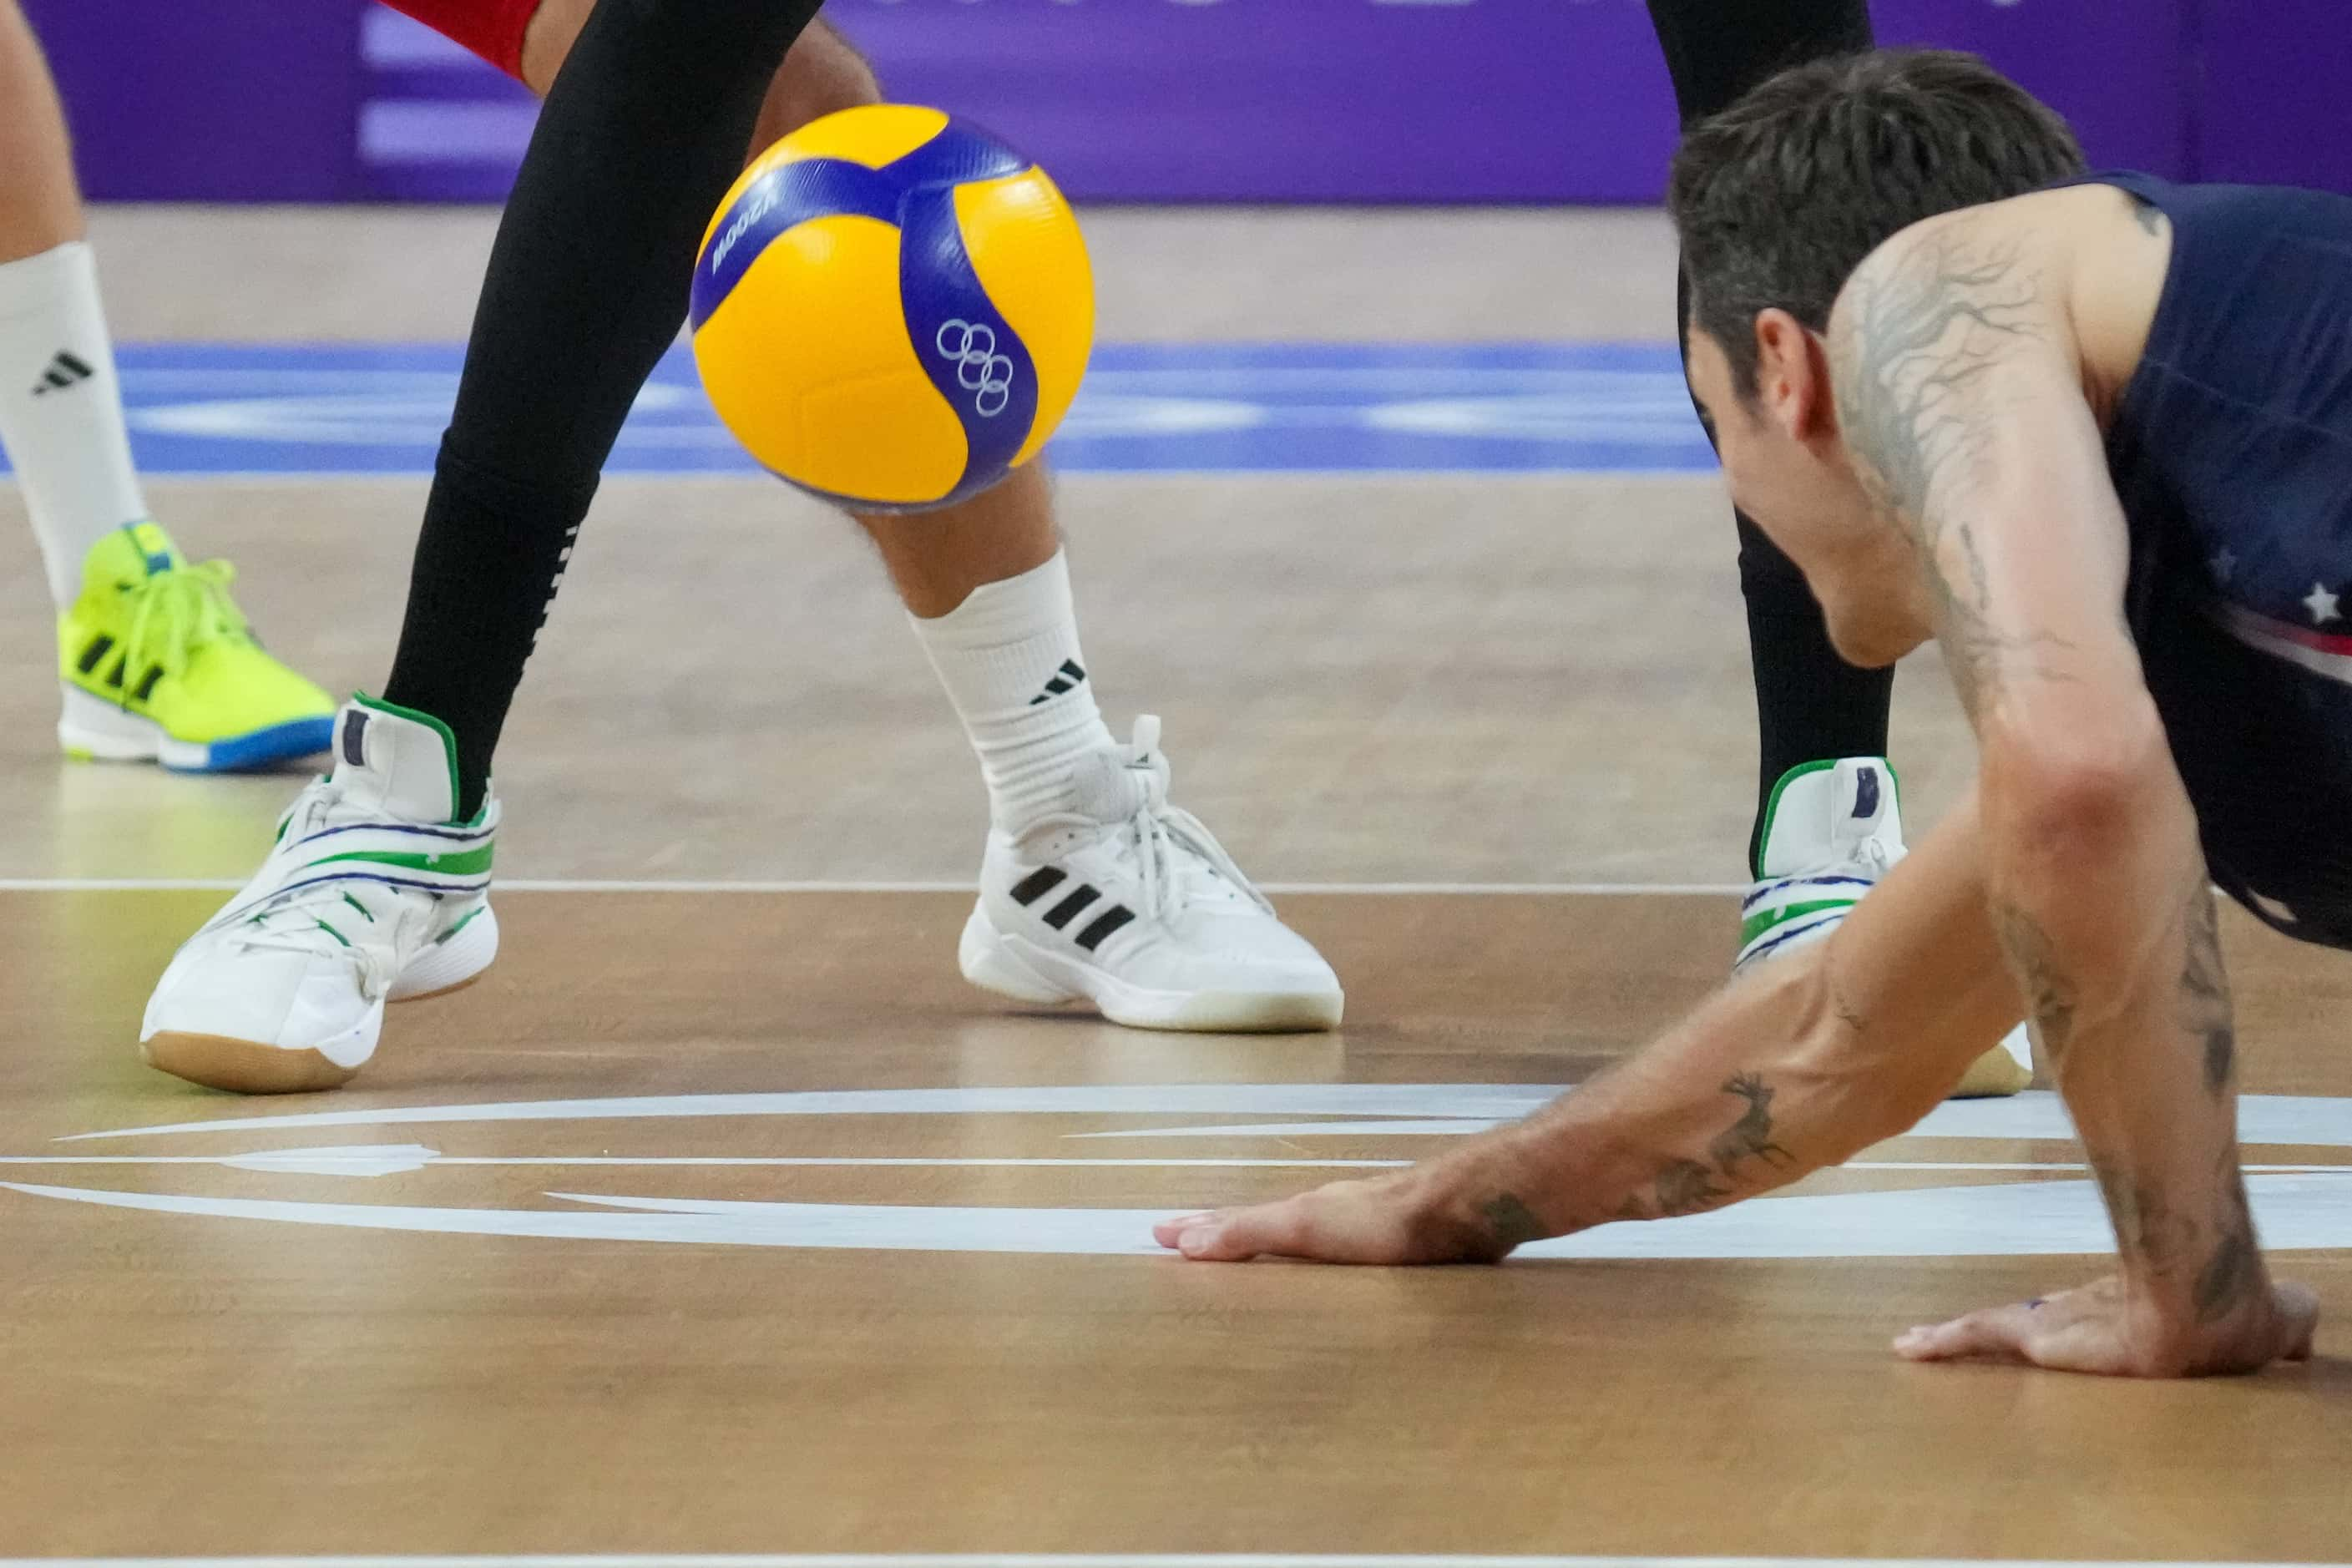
[{"x": 970, "y": 346}]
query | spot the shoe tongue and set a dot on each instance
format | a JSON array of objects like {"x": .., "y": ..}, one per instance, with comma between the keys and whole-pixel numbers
[
  {"x": 396, "y": 762},
  {"x": 132, "y": 555},
  {"x": 1114, "y": 784},
  {"x": 1824, "y": 814}
]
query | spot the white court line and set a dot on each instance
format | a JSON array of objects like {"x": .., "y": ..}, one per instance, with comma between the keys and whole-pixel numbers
[
  {"x": 603, "y": 885},
  {"x": 1095, "y": 1559},
  {"x": 313, "y": 1159}
]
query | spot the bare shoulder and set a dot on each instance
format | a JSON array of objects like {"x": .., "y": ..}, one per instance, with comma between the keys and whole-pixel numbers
[
  {"x": 2070, "y": 276},
  {"x": 1952, "y": 329},
  {"x": 2006, "y": 258},
  {"x": 2117, "y": 254}
]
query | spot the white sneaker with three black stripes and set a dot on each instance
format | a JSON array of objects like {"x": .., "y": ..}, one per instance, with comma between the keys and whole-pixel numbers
[{"x": 1127, "y": 902}]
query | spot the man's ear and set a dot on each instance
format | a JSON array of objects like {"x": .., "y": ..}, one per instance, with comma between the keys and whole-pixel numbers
[{"x": 1793, "y": 375}]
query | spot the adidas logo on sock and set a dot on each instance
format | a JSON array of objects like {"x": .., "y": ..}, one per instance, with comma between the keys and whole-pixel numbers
[
  {"x": 67, "y": 369},
  {"x": 1067, "y": 679},
  {"x": 1034, "y": 887}
]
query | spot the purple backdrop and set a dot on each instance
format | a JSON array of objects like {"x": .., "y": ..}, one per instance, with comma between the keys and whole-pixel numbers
[
  {"x": 2275, "y": 106},
  {"x": 1541, "y": 100},
  {"x": 208, "y": 100}
]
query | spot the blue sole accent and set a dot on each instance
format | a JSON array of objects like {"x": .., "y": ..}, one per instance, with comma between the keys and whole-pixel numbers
[{"x": 260, "y": 748}]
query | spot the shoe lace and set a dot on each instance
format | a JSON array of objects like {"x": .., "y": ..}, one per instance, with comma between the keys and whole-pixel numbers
[
  {"x": 177, "y": 611},
  {"x": 296, "y": 920},
  {"x": 1157, "y": 831},
  {"x": 1873, "y": 853}
]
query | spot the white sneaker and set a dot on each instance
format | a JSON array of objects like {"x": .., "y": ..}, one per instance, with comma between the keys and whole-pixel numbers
[
  {"x": 1130, "y": 903},
  {"x": 1831, "y": 831},
  {"x": 372, "y": 894}
]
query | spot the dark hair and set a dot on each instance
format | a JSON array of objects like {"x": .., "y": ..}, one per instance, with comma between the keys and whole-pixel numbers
[{"x": 1780, "y": 197}]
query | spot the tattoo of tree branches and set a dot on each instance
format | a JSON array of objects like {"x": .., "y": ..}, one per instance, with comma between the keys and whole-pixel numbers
[
  {"x": 2205, "y": 1005},
  {"x": 1510, "y": 1222},
  {"x": 1913, "y": 348},
  {"x": 1750, "y": 1137},
  {"x": 2049, "y": 989}
]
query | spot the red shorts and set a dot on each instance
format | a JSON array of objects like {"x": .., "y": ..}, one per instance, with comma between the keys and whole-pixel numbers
[{"x": 490, "y": 28}]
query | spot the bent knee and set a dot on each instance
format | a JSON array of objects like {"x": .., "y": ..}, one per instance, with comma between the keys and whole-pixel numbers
[{"x": 822, "y": 75}]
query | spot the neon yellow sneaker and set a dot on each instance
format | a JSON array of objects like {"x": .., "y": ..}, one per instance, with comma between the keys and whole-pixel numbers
[{"x": 158, "y": 665}]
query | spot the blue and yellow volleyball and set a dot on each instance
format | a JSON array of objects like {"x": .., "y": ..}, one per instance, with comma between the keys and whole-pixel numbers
[{"x": 892, "y": 309}]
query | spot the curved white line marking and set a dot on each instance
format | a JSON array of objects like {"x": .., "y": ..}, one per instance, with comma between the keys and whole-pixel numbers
[
  {"x": 1447, "y": 1127},
  {"x": 2323, "y": 1121},
  {"x": 1486, "y": 1103},
  {"x": 2296, "y": 1213}
]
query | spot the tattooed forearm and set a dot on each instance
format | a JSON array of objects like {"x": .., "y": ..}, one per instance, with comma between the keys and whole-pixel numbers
[
  {"x": 1914, "y": 346},
  {"x": 2050, "y": 991},
  {"x": 2205, "y": 1005},
  {"x": 1750, "y": 1137},
  {"x": 1510, "y": 1222},
  {"x": 1685, "y": 1186},
  {"x": 2149, "y": 1230},
  {"x": 2234, "y": 1271}
]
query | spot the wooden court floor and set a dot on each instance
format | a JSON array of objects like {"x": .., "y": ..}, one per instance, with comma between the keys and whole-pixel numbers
[
  {"x": 722, "y": 1217},
  {"x": 940, "y": 1333}
]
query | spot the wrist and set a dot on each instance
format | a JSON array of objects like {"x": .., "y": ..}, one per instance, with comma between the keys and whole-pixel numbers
[
  {"x": 2180, "y": 1323},
  {"x": 1488, "y": 1198}
]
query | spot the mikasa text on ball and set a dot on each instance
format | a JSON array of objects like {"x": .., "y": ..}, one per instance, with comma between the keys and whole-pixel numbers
[{"x": 892, "y": 309}]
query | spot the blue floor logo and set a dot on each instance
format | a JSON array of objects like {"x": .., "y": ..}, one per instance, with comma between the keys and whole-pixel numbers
[{"x": 213, "y": 408}]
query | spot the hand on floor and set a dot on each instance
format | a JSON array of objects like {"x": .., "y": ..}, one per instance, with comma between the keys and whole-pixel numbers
[
  {"x": 2095, "y": 1329},
  {"x": 1384, "y": 1220}
]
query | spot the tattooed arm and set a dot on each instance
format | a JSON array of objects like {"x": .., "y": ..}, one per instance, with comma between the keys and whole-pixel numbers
[
  {"x": 1961, "y": 404},
  {"x": 1796, "y": 1066},
  {"x": 2073, "y": 875}
]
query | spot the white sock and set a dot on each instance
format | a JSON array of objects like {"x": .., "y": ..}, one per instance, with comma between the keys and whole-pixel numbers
[
  {"x": 1009, "y": 658},
  {"x": 61, "y": 410}
]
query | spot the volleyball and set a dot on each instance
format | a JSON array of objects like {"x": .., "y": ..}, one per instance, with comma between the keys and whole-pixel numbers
[{"x": 892, "y": 309}]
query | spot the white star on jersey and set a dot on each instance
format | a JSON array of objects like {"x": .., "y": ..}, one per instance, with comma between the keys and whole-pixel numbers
[{"x": 2322, "y": 604}]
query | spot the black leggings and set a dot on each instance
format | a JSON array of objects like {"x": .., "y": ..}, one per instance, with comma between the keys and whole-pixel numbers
[
  {"x": 643, "y": 132},
  {"x": 1811, "y": 705}
]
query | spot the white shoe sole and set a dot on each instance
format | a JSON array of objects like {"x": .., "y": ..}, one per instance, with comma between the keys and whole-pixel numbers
[
  {"x": 92, "y": 731},
  {"x": 1011, "y": 967},
  {"x": 253, "y": 1067}
]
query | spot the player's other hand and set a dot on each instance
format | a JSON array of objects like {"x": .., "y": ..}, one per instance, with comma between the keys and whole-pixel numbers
[
  {"x": 1386, "y": 1220},
  {"x": 2099, "y": 1329}
]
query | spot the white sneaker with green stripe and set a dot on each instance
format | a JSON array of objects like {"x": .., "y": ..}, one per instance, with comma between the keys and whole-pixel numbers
[
  {"x": 1832, "y": 831},
  {"x": 374, "y": 893}
]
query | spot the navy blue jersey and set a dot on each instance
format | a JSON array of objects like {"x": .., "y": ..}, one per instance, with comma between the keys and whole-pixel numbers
[{"x": 2231, "y": 452}]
